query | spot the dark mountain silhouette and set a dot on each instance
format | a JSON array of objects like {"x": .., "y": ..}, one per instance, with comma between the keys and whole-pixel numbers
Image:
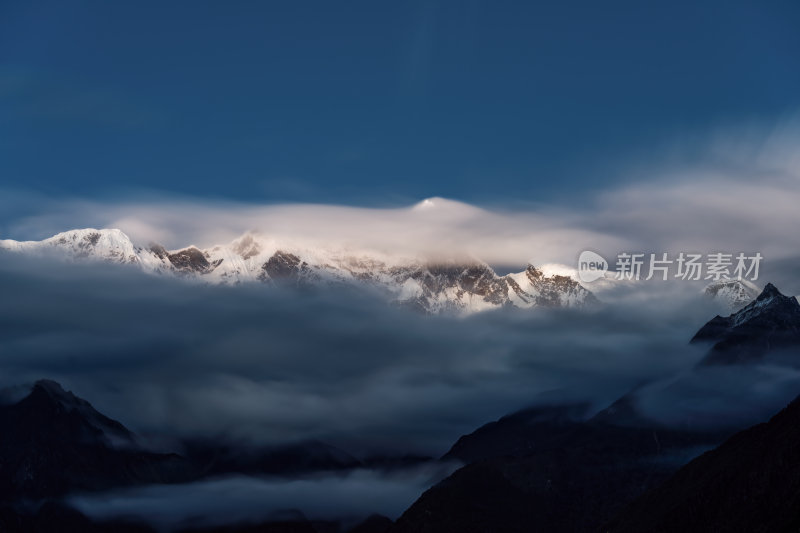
[
  {"x": 519, "y": 433},
  {"x": 751, "y": 483},
  {"x": 52, "y": 442},
  {"x": 552, "y": 468},
  {"x": 768, "y": 324},
  {"x": 546, "y": 469}
]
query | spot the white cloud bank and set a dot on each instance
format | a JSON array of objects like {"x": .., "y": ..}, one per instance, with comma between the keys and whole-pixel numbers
[{"x": 742, "y": 196}]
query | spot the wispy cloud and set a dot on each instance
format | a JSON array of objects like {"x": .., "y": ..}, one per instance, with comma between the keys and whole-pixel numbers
[
  {"x": 272, "y": 365},
  {"x": 348, "y": 497},
  {"x": 741, "y": 196},
  {"x": 281, "y": 366}
]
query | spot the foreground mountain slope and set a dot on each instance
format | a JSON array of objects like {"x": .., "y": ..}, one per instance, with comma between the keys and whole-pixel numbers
[
  {"x": 430, "y": 286},
  {"x": 751, "y": 483},
  {"x": 551, "y": 469},
  {"x": 52, "y": 442},
  {"x": 519, "y": 433},
  {"x": 546, "y": 469}
]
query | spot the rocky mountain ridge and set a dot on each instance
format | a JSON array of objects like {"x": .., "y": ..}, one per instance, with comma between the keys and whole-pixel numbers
[
  {"x": 770, "y": 324},
  {"x": 430, "y": 286}
]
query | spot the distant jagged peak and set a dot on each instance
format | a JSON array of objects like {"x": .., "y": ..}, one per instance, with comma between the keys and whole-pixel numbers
[
  {"x": 768, "y": 324},
  {"x": 552, "y": 270},
  {"x": 49, "y": 402},
  {"x": 441, "y": 204},
  {"x": 771, "y": 291},
  {"x": 733, "y": 294},
  {"x": 56, "y": 392},
  {"x": 770, "y": 302}
]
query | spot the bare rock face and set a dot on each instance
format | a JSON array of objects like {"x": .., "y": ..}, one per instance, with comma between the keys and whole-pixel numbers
[
  {"x": 83, "y": 245},
  {"x": 192, "y": 260},
  {"x": 284, "y": 267},
  {"x": 459, "y": 286},
  {"x": 555, "y": 290},
  {"x": 159, "y": 251},
  {"x": 474, "y": 279},
  {"x": 451, "y": 286},
  {"x": 482, "y": 281}
]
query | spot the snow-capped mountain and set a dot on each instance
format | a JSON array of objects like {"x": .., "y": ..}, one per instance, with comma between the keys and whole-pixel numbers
[
  {"x": 768, "y": 324},
  {"x": 460, "y": 286},
  {"x": 732, "y": 293},
  {"x": 108, "y": 244}
]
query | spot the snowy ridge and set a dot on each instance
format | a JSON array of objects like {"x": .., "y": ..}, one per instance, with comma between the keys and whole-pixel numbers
[
  {"x": 769, "y": 298},
  {"x": 462, "y": 286},
  {"x": 732, "y": 293},
  {"x": 109, "y": 244},
  {"x": 768, "y": 324}
]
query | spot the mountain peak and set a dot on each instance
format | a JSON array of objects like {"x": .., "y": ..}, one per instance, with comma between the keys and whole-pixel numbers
[
  {"x": 56, "y": 393},
  {"x": 48, "y": 403},
  {"x": 770, "y": 322},
  {"x": 770, "y": 301},
  {"x": 769, "y": 291},
  {"x": 732, "y": 293},
  {"x": 110, "y": 245},
  {"x": 54, "y": 442}
]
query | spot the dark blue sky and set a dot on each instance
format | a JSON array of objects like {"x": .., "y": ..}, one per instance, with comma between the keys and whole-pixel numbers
[{"x": 374, "y": 102}]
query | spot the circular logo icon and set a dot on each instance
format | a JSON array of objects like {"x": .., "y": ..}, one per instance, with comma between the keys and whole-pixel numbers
[{"x": 591, "y": 266}]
